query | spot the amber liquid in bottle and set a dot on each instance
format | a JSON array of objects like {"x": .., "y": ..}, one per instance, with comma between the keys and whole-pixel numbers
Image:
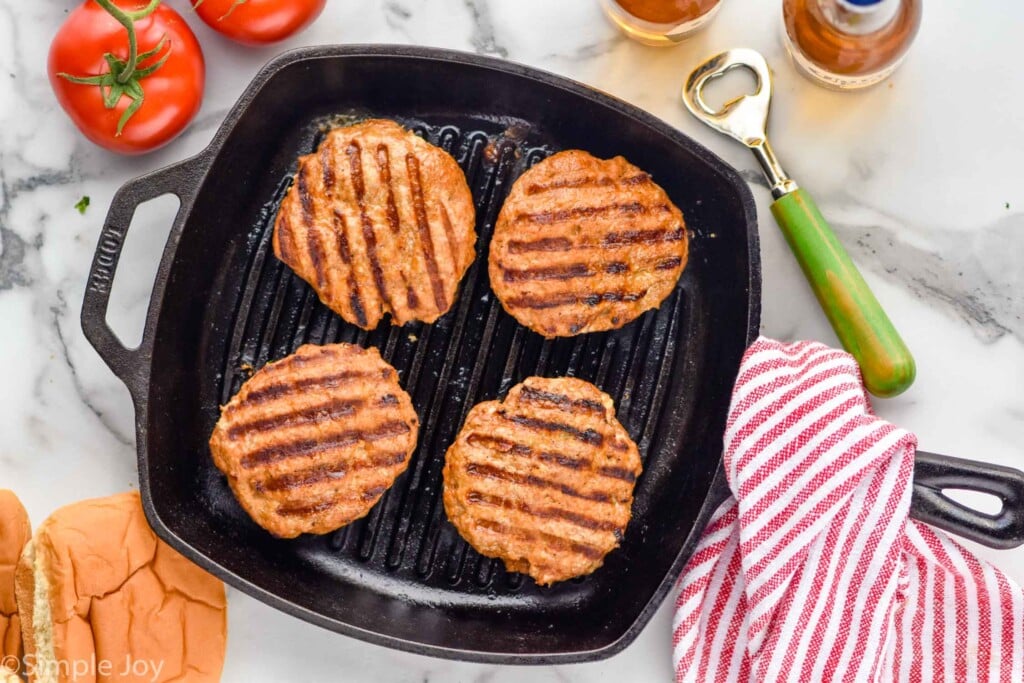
[
  {"x": 660, "y": 22},
  {"x": 848, "y": 44}
]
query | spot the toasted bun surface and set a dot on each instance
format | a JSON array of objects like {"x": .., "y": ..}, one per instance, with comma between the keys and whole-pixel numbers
[
  {"x": 103, "y": 588},
  {"x": 377, "y": 221},
  {"x": 585, "y": 244},
  {"x": 544, "y": 479},
  {"x": 15, "y": 532}
]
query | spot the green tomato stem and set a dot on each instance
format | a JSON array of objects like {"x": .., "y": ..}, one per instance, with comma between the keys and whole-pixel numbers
[{"x": 128, "y": 19}]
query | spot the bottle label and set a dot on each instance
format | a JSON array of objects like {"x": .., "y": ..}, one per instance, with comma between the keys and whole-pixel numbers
[{"x": 834, "y": 80}]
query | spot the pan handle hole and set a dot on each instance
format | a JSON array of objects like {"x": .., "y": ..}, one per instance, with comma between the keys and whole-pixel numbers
[
  {"x": 136, "y": 269},
  {"x": 731, "y": 85},
  {"x": 985, "y": 503}
]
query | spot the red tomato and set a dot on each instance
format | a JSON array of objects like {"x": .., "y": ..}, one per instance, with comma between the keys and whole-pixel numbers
[
  {"x": 258, "y": 22},
  {"x": 173, "y": 92}
]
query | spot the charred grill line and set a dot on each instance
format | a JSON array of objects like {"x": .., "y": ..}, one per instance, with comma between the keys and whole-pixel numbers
[
  {"x": 542, "y": 244},
  {"x": 285, "y": 238},
  {"x": 305, "y": 198},
  {"x": 277, "y": 390},
  {"x": 624, "y": 209},
  {"x": 570, "y": 183},
  {"x": 422, "y": 224},
  {"x": 546, "y": 512},
  {"x": 626, "y": 297},
  {"x": 317, "y": 256},
  {"x": 552, "y": 540},
  {"x": 383, "y": 156},
  {"x": 294, "y": 510},
  {"x": 569, "y": 299},
  {"x": 321, "y": 412},
  {"x": 638, "y": 179},
  {"x": 345, "y": 251},
  {"x": 618, "y": 473},
  {"x": 669, "y": 263},
  {"x": 498, "y": 444},
  {"x": 569, "y": 272},
  {"x": 616, "y": 267},
  {"x": 561, "y": 459},
  {"x": 492, "y": 472},
  {"x": 302, "y": 478},
  {"x": 574, "y": 183},
  {"x": 375, "y": 492},
  {"x": 307, "y": 447},
  {"x": 626, "y": 237},
  {"x": 612, "y": 240},
  {"x": 590, "y": 436},
  {"x": 384, "y": 167},
  {"x": 293, "y": 362},
  {"x": 327, "y": 168},
  {"x": 355, "y": 161},
  {"x": 563, "y": 402}
]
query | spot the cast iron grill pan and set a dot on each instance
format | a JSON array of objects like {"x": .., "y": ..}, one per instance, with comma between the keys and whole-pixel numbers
[{"x": 223, "y": 306}]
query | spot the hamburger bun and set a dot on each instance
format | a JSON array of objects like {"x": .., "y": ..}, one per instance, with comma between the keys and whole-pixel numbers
[
  {"x": 96, "y": 588},
  {"x": 15, "y": 532}
]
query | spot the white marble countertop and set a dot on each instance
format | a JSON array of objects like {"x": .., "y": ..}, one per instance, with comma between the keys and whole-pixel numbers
[{"x": 920, "y": 177}]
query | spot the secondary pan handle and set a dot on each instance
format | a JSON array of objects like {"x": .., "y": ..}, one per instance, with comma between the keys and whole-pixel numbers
[
  {"x": 933, "y": 473},
  {"x": 179, "y": 180}
]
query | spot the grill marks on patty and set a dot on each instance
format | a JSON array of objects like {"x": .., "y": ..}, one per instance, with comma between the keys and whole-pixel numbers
[
  {"x": 311, "y": 442},
  {"x": 378, "y": 221},
  {"x": 584, "y": 245},
  {"x": 544, "y": 479}
]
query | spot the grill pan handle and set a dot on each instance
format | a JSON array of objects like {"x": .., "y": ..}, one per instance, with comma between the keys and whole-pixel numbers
[
  {"x": 179, "y": 180},
  {"x": 933, "y": 473}
]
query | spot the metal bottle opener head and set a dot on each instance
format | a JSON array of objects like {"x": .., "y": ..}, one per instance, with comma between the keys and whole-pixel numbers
[{"x": 743, "y": 118}]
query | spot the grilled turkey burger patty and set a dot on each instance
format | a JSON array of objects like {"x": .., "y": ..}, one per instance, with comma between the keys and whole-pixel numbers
[
  {"x": 378, "y": 221},
  {"x": 311, "y": 442},
  {"x": 544, "y": 479},
  {"x": 584, "y": 245}
]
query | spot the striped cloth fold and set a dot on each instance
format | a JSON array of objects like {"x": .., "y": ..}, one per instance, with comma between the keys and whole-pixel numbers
[{"x": 812, "y": 571}]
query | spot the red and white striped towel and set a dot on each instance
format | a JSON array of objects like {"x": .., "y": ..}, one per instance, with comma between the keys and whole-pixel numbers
[{"x": 812, "y": 571}]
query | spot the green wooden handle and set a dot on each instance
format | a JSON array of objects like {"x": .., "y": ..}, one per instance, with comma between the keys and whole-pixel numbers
[{"x": 856, "y": 316}]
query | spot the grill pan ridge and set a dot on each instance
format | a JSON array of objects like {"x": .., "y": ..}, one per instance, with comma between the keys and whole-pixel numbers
[{"x": 223, "y": 306}]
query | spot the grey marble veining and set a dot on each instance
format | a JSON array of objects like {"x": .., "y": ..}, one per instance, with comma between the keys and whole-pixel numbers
[
  {"x": 976, "y": 275},
  {"x": 938, "y": 230}
]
